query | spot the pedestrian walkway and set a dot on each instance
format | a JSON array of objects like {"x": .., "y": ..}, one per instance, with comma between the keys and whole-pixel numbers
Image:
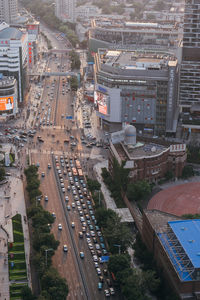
[
  {"x": 11, "y": 202},
  {"x": 124, "y": 213}
]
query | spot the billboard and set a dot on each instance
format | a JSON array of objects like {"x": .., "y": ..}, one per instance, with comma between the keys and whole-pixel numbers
[
  {"x": 6, "y": 103},
  {"x": 101, "y": 101},
  {"x": 177, "y": 148}
]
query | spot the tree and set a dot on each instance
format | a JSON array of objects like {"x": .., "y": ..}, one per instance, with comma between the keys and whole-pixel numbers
[
  {"x": 26, "y": 294},
  {"x": 74, "y": 83},
  {"x": 187, "y": 171},
  {"x": 118, "y": 263},
  {"x": 169, "y": 175},
  {"x": 151, "y": 281},
  {"x": 55, "y": 286},
  {"x": 117, "y": 233},
  {"x": 103, "y": 215},
  {"x": 2, "y": 174},
  {"x": 93, "y": 185},
  {"x": 131, "y": 288},
  {"x": 138, "y": 191},
  {"x": 44, "y": 239}
]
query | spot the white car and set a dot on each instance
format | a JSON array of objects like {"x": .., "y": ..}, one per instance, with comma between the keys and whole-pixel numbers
[
  {"x": 73, "y": 225},
  {"x": 60, "y": 226},
  {"x": 107, "y": 293},
  {"x": 98, "y": 271},
  {"x": 65, "y": 249},
  {"x": 63, "y": 190},
  {"x": 46, "y": 198}
]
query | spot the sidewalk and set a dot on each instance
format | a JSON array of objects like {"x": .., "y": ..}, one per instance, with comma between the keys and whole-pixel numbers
[{"x": 11, "y": 202}]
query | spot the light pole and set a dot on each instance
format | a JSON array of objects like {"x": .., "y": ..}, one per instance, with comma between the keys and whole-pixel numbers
[
  {"x": 119, "y": 247},
  {"x": 46, "y": 251}
]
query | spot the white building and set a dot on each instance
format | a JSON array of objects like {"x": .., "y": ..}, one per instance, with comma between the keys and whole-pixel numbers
[
  {"x": 13, "y": 55},
  {"x": 9, "y": 11},
  {"x": 65, "y": 10}
]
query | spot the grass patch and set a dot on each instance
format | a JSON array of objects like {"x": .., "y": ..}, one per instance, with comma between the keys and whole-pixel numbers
[
  {"x": 18, "y": 236},
  {"x": 17, "y": 226}
]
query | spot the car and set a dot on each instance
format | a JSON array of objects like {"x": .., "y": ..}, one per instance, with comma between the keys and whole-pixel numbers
[
  {"x": 91, "y": 227},
  {"x": 101, "y": 279},
  {"x": 81, "y": 213},
  {"x": 95, "y": 258},
  {"x": 74, "y": 192},
  {"x": 68, "y": 188},
  {"x": 88, "y": 240},
  {"x": 87, "y": 217},
  {"x": 73, "y": 225},
  {"x": 112, "y": 291},
  {"x": 105, "y": 272},
  {"x": 82, "y": 255},
  {"x": 83, "y": 229},
  {"x": 60, "y": 226},
  {"x": 96, "y": 264},
  {"x": 92, "y": 233},
  {"x": 80, "y": 234},
  {"x": 99, "y": 253},
  {"x": 53, "y": 215},
  {"x": 98, "y": 271},
  {"x": 43, "y": 174},
  {"x": 49, "y": 166},
  {"x": 97, "y": 246},
  {"x": 101, "y": 239},
  {"x": 93, "y": 218},
  {"x": 88, "y": 222},
  {"x": 90, "y": 246},
  {"x": 63, "y": 190},
  {"x": 108, "y": 281},
  {"x": 73, "y": 205},
  {"x": 92, "y": 252},
  {"x": 107, "y": 293},
  {"x": 102, "y": 246},
  {"x": 61, "y": 180},
  {"x": 82, "y": 219},
  {"x": 105, "y": 252},
  {"x": 94, "y": 240},
  {"x": 99, "y": 233},
  {"x": 66, "y": 198},
  {"x": 65, "y": 249},
  {"x": 62, "y": 184},
  {"x": 100, "y": 260},
  {"x": 100, "y": 285},
  {"x": 87, "y": 234},
  {"x": 68, "y": 207},
  {"x": 46, "y": 198}
]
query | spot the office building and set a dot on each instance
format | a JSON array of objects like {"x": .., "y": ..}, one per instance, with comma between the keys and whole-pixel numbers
[
  {"x": 13, "y": 55},
  {"x": 189, "y": 97},
  {"x": 136, "y": 87},
  {"x": 9, "y": 11},
  {"x": 65, "y": 10}
]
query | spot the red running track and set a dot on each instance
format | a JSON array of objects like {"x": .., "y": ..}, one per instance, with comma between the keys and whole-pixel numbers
[{"x": 178, "y": 200}]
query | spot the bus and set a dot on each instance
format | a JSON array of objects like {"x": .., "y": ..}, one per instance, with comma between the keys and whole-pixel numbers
[
  {"x": 74, "y": 172},
  {"x": 78, "y": 165},
  {"x": 80, "y": 173}
]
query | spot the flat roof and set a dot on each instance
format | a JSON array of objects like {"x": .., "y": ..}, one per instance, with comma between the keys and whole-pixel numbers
[{"x": 188, "y": 233}]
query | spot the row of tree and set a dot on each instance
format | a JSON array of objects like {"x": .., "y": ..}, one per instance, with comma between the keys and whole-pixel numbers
[
  {"x": 46, "y": 11},
  {"x": 75, "y": 60},
  {"x": 44, "y": 244}
]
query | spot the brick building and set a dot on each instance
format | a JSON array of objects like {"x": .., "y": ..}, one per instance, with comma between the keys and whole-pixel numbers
[{"x": 148, "y": 159}]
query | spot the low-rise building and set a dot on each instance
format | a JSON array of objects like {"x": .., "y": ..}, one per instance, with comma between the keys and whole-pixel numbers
[
  {"x": 175, "y": 245},
  {"x": 8, "y": 96},
  {"x": 148, "y": 159}
]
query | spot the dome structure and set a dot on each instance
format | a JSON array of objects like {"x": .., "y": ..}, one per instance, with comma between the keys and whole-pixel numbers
[{"x": 130, "y": 135}]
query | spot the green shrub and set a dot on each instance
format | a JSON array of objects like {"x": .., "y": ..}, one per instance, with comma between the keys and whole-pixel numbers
[
  {"x": 16, "y": 247},
  {"x": 17, "y": 218},
  {"x": 17, "y": 226},
  {"x": 18, "y": 236}
]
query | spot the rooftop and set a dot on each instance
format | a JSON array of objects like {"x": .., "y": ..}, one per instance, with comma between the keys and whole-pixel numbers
[
  {"x": 6, "y": 81},
  {"x": 138, "y": 60},
  {"x": 11, "y": 33},
  {"x": 187, "y": 233},
  {"x": 139, "y": 151}
]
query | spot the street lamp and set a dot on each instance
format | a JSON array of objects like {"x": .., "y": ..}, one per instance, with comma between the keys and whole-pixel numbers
[
  {"x": 46, "y": 251},
  {"x": 119, "y": 247}
]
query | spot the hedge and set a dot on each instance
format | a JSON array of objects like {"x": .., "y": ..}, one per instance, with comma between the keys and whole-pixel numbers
[
  {"x": 17, "y": 256},
  {"x": 18, "y": 236},
  {"x": 16, "y": 247},
  {"x": 17, "y": 226}
]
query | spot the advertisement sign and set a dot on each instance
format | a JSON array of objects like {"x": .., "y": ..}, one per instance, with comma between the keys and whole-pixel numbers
[
  {"x": 101, "y": 100},
  {"x": 6, "y": 103}
]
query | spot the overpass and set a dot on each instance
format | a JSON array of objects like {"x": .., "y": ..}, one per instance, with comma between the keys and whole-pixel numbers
[{"x": 47, "y": 74}]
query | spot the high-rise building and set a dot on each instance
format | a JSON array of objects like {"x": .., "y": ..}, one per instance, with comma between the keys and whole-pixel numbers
[
  {"x": 65, "y": 10},
  {"x": 8, "y": 11},
  {"x": 189, "y": 95}
]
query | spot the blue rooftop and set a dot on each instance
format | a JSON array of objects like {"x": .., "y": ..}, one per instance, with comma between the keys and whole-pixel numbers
[{"x": 188, "y": 235}]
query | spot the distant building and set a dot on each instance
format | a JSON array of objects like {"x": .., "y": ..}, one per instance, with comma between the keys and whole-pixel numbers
[
  {"x": 13, "y": 55},
  {"x": 9, "y": 11},
  {"x": 65, "y": 10},
  {"x": 136, "y": 87},
  {"x": 175, "y": 245},
  {"x": 148, "y": 159},
  {"x": 121, "y": 34},
  {"x": 190, "y": 67},
  {"x": 33, "y": 30}
]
